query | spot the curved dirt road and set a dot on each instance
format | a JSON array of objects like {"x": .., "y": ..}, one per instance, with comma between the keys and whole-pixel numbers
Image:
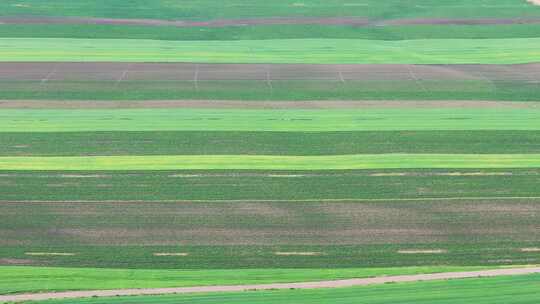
[{"x": 303, "y": 285}]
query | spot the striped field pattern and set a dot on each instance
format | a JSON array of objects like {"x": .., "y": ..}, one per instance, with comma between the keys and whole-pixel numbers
[{"x": 184, "y": 143}]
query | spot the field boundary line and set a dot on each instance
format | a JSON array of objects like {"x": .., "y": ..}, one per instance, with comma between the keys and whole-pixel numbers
[{"x": 301, "y": 285}]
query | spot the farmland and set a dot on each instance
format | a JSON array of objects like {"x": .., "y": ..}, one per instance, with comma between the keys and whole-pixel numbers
[
  {"x": 197, "y": 10},
  {"x": 266, "y": 143},
  {"x": 263, "y": 82},
  {"x": 200, "y": 185},
  {"x": 148, "y": 144},
  {"x": 15, "y": 279},
  {"x": 485, "y": 290},
  {"x": 352, "y": 51},
  {"x": 266, "y": 162},
  {"x": 247, "y": 234},
  {"x": 394, "y": 119}
]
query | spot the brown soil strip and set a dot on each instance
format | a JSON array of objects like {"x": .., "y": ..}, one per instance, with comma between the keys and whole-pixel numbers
[
  {"x": 350, "y": 21},
  {"x": 232, "y": 104},
  {"x": 9, "y": 261},
  {"x": 172, "y": 74},
  {"x": 238, "y": 288}
]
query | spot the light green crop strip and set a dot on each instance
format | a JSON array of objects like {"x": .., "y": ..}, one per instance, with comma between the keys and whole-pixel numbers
[
  {"x": 422, "y": 51},
  {"x": 87, "y": 120},
  {"x": 266, "y": 162}
]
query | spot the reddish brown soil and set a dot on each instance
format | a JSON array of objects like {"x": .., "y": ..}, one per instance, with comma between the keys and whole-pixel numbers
[{"x": 352, "y": 21}]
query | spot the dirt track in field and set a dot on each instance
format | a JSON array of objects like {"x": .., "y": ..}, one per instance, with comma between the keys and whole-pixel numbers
[
  {"x": 226, "y": 104},
  {"x": 115, "y": 73},
  {"x": 351, "y": 21},
  {"x": 303, "y": 285}
]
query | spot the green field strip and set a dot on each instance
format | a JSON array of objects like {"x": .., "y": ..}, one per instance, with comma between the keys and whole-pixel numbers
[
  {"x": 478, "y": 89},
  {"x": 504, "y": 289},
  {"x": 426, "y": 51},
  {"x": 93, "y": 31},
  {"x": 272, "y": 162},
  {"x": 233, "y": 185},
  {"x": 17, "y": 279},
  {"x": 491, "y": 253},
  {"x": 268, "y": 120},
  {"x": 266, "y": 143},
  {"x": 247, "y": 235},
  {"x": 208, "y": 10}
]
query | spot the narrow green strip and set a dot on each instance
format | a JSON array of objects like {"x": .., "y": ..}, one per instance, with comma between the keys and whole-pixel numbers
[
  {"x": 423, "y": 51},
  {"x": 266, "y": 162},
  {"x": 297, "y": 31},
  {"x": 268, "y": 120},
  {"x": 267, "y": 143}
]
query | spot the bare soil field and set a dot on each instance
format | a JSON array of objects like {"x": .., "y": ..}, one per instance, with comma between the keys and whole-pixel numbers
[
  {"x": 303, "y": 285},
  {"x": 46, "y": 72},
  {"x": 347, "y": 21}
]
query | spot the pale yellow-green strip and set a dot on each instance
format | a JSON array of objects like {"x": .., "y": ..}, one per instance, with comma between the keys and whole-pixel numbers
[{"x": 266, "y": 162}]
